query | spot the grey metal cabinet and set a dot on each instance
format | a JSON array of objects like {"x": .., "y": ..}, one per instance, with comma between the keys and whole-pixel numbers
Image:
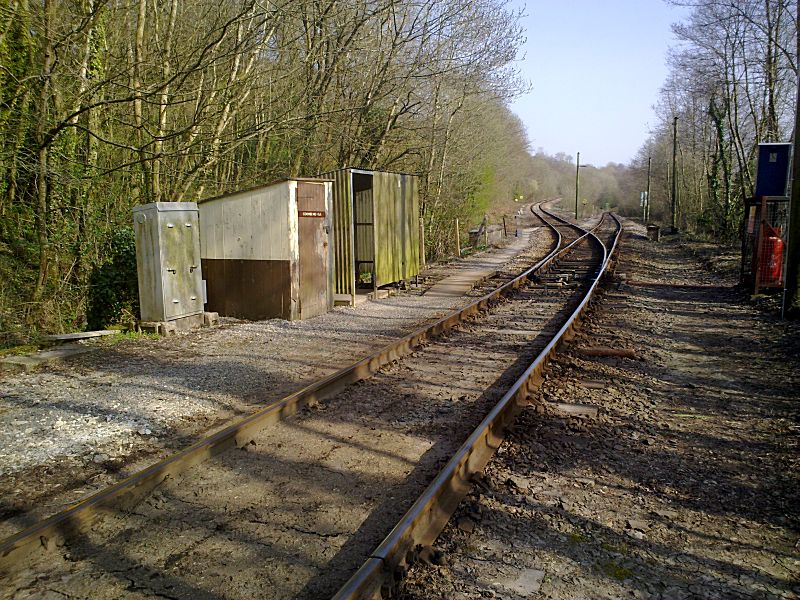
[{"x": 168, "y": 260}]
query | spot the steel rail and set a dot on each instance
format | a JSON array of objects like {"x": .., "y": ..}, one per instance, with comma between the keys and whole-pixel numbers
[
  {"x": 123, "y": 495},
  {"x": 423, "y": 522}
]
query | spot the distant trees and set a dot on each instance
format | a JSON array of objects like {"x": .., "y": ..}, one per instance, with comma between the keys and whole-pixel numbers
[
  {"x": 733, "y": 84},
  {"x": 104, "y": 105}
]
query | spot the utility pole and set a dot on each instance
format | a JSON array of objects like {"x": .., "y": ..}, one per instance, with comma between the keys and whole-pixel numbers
[
  {"x": 791, "y": 293},
  {"x": 647, "y": 193},
  {"x": 577, "y": 183},
  {"x": 674, "y": 174}
]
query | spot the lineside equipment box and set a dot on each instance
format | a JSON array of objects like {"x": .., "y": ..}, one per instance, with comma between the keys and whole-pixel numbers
[{"x": 168, "y": 260}]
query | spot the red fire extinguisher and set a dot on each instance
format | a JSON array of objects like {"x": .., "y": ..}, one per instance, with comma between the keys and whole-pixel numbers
[{"x": 772, "y": 265}]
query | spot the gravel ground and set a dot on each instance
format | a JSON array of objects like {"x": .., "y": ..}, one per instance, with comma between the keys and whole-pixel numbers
[
  {"x": 71, "y": 429},
  {"x": 300, "y": 507},
  {"x": 684, "y": 485}
]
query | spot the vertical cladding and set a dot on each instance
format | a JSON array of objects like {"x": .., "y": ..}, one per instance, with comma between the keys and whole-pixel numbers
[
  {"x": 393, "y": 237},
  {"x": 384, "y": 215},
  {"x": 411, "y": 193},
  {"x": 396, "y": 226},
  {"x": 344, "y": 280}
]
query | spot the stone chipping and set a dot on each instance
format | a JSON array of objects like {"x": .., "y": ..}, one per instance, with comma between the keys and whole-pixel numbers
[
  {"x": 684, "y": 485},
  {"x": 72, "y": 428}
]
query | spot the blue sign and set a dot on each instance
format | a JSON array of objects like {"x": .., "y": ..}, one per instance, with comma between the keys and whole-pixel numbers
[{"x": 772, "y": 177}]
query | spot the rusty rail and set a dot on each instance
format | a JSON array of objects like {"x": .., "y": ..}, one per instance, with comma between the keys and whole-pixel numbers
[
  {"x": 427, "y": 517},
  {"x": 125, "y": 494}
]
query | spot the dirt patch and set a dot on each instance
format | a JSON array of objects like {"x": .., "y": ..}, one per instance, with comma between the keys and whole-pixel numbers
[{"x": 684, "y": 485}]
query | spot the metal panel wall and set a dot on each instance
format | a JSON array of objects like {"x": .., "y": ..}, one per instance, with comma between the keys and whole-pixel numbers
[
  {"x": 396, "y": 227},
  {"x": 344, "y": 259}
]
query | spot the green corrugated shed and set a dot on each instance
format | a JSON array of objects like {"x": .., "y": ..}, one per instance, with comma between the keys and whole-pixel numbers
[{"x": 376, "y": 227}]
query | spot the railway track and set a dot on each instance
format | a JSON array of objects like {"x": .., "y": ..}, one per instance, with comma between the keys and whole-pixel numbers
[{"x": 303, "y": 503}]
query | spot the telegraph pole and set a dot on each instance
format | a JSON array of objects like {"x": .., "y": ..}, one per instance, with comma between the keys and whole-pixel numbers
[
  {"x": 647, "y": 193},
  {"x": 674, "y": 174},
  {"x": 577, "y": 184}
]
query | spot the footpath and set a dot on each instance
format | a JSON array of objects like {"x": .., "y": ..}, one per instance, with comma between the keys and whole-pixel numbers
[
  {"x": 463, "y": 281},
  {"x": 684, "y": 484}
]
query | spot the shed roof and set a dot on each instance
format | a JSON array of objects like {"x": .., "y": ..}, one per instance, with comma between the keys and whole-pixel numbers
[{"x": 266, "y": 185}]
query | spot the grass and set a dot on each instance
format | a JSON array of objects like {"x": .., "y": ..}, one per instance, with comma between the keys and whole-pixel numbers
[
  {"x": 616, "y": 571},
  {"x": 577, "y": 538},
  {"x": 125, "y": 336},
  {"x": 614, "y": 548},
  {"x": 105, "y": 342},
  {"x": 17, "y": 350}
]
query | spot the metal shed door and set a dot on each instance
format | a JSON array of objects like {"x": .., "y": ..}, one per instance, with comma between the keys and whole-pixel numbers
[
  {"x": 313, "y": 240},
  {"x": 180, "y": 247}
]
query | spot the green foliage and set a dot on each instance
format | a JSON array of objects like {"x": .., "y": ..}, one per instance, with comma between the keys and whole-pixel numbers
[
  {"x": 113, "y": 286},
  {"x": 18, "y": 350},
  {"x": 89, "y": 129},
  {"x": 15, "y": 278},
  {"x": 485, "y": 192}
]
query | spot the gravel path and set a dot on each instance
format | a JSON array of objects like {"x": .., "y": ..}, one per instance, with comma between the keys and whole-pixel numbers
[
  {"x": 71, "y": 429},
  {"x": 685, "y": 483}
]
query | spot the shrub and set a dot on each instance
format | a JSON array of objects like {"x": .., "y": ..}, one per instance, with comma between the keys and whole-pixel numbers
[{"x": 113, "y": 286}]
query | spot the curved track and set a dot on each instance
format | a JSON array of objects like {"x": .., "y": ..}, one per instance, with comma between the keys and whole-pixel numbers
[
  {"x": 311, "y": 497},
  {"x": 588, "y": 258}
]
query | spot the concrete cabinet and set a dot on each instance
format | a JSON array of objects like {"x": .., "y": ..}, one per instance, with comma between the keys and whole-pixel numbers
[{"x": 168, "y": 260}]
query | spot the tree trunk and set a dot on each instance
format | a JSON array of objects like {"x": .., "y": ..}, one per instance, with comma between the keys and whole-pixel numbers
[{"x": 42, "y": 172}]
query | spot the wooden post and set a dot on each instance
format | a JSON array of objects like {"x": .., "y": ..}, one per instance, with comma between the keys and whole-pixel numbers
[
  {"x": 422, "y": 242},
  {"x": 458, "y": 241},
  {"x": 505, "y": 230},
  {"x": 577, "y": 182},
  {"x": 486, "y": 230}
]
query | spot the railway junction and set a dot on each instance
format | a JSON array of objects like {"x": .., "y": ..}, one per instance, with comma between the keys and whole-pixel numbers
[{"x": 649, "y": 456}]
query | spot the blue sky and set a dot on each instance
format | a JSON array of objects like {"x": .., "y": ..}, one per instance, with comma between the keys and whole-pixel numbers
[{"x": 596, "y": 67}]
